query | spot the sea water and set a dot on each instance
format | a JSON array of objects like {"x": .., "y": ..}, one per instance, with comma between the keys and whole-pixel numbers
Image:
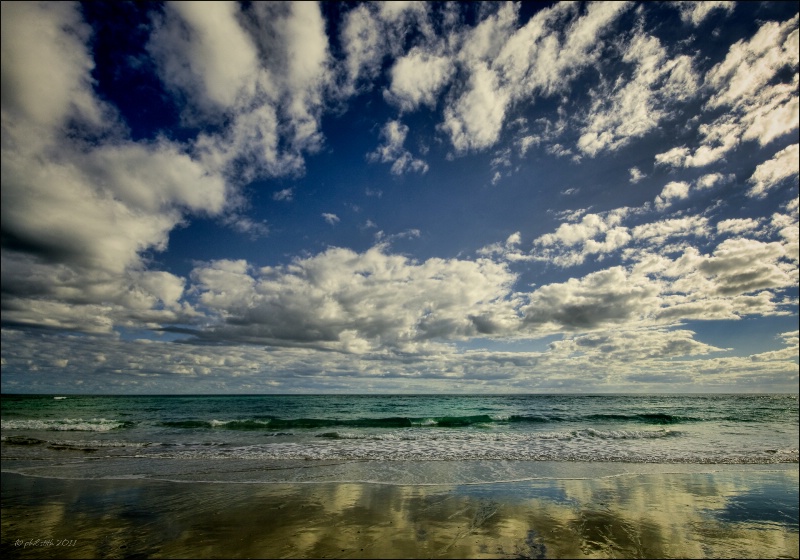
[{"x": 389, "y": 439}]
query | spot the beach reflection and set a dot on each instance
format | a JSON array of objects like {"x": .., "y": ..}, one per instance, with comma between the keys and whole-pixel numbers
[{"x": 724, "y": 514}]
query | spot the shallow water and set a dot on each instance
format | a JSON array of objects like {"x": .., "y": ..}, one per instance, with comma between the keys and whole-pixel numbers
[
  {"x": 169, "y": 437},
  {"x": 738, "y": 511}
]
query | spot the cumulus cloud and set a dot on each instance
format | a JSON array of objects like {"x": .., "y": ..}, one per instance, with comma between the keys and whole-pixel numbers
[
  {"x": 595, "y": 301},
  {"x": 361, "y": 37},
  {"x": 507, "y": 65},
  {"x": 738, "y": 225},
  {"x": 681, "y": 190},
  {"x": 262, "y": 73},
  {"x": 508, "y": 250},
  {"x": 786, "y": 226},
  {"x": 104, "y": 202},
  {"x": 599, "y": 235},
  {"x": 372, "y": 302},
  {"x": 740, "y": 266},
  {"x": 633, "y": 346},
  {"x": 636, "y": 175},
  {"x": 572, "y": 243},
  {"x": 355, "y": 302},
  {"x": 284, "y": 194},
  {"x": 658, "y": 233},
  {"x": 204, "y": 53},
  {"x": 393, "y": 151},
  {"x": 757, "y": 86},
  {"x": 86, "y": 208},
  {"x": 738, "y": 278},
  {"x": 713, "y": 179},
  {"x": 747, "y": 75},
  {"x": 621, "y": 112},
  {"x": 697, "y": 12},
  {"x": 417, "y": 78},
  {"x": 772, "y": 172},
  {"x": 610, "y": 359},
  {"x": 474, "y": 121},
  {"x": 46, "y": 66},
  {"x": 674, "y": 190},
  {"x": 332, "y": 219},
  {"x": 545, "y": 55},
  {"x": 372, "y": 31}
]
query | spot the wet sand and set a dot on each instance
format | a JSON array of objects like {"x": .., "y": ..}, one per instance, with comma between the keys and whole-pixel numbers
[{"x": 749, "y": 511}]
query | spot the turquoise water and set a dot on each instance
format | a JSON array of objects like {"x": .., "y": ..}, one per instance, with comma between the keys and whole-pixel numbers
[{"x": 147, "y": 436}]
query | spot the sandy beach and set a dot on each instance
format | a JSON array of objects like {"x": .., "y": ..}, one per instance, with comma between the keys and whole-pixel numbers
[{"x": 732, "y": 511}]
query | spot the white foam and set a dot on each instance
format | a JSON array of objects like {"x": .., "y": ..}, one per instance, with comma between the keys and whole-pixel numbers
[{"x": 63, "y": 425}]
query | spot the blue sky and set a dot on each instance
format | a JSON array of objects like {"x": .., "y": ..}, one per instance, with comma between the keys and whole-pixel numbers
[{"x": 399, "y": 197}]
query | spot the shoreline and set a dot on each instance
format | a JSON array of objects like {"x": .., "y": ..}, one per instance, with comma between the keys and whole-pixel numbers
[
  {"x": 552, "y": 471},
  {"x": 80, "y": 466},
  {"x": 715, "y": 510}
]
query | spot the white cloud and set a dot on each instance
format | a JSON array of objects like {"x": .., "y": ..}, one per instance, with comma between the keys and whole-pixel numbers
[
  {"x": 745, "y": 76},
  {"x": 332, "y": 219},
  {"x": 740, "y": 266},
  {"x": 626, "y": 110},
  {"x": 713, "y": 179},
  {"x": 754, "y": 87},
  {"x": 506, "y": 65},
  {"x": 106, "y": 207},
  {"x": 636, "y": 175},
  {"x": 204, "y": 52},
  {"x": 370, "y": 32},
  {"x": 601, "y": 359},
  {"x": 738, "y": 225},
  {"x": 633, "y": 346},
  {"x": 571, "y": 234},
  {"x": 356, "y": 302},
  {"x": 526, "y": 142},
  {"x": 362, "y": 41},
  {"x": 105, "y": 202},
  {"x": 262, "y": 77},
  {"x": 417, "y": 78},
  {"x": 720, "y": 137},
  {"x": 392, "y": 150},
  {"x": 737, "y": 267},
  {"x": 544, "y": 56},
  {"x": 286, "y": 194},
  {"x": 475, "y": 120},
  {"x": 508, "y": 250},
  {"x": 657, "y": 233},
  {"x": 243, "y": 224},
  {"x": 477, "y": 47},
  {"x": 572, "y": 243},
  {"x": 697, "y": 12},
  {"x": 308, "y": 72},
  {"x": 674, "y": 157},
  {"x": 598, "y": 300},
  {"x": 674, "y": 190},
  {"x": 786, "y": 225},
  {"x": 771, "y": 173},
  {"x": 46, "y": 66}
]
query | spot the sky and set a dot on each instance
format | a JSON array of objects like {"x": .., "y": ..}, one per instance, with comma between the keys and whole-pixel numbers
[{"x": 393, "y": 197}]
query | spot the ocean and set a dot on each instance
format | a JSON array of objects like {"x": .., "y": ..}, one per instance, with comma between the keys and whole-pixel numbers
[{"x": 414, "y": 439}]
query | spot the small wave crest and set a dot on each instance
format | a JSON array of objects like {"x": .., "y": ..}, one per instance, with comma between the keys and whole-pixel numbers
[
  {"x": 625, "y": 434},
  {"x": 66, "y": 425},
  {"x": 321, "y": 423},
  {"x": 466, "y": 421},
  {"x": 644, "y": 418}
]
